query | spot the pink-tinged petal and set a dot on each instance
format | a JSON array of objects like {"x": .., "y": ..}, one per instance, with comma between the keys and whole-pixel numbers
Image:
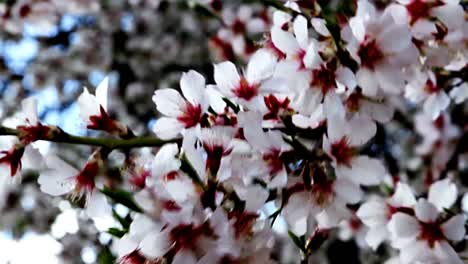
[
  {"x": 454, "y": 228},
  {"x": 169, "y": 102},
  {"x": 446, "y": 253},
  {"x": 425, "y": 211},
  {"x": 375, "y": 236},
  {"x": 361, "y": 130},
  {"x": 101, "y": 92},
  {"x": 254, "y": 197},
  {"x": 404, "y": 226},
  {"x": 165, "y": 161},
  {"x": 436, "y": 103},
  {"x": 226, "y": 77},
  {"x": 180, "y": 190},
  {"x": 395, "y": 38},
  {"x": 284, "y": 41},
  {"x": 390, "y": 78},
  {"x": 192, "y": 85},
  {"x": 97, "y": 206},
  {"x": 443, "y": 194},
  {"x": 156, "y": 244},
  {"x": 312, "y": 59},
  {"x": 261, "y": 66},
  {"x": 373, "y": 213},
  {"x": 333, "y": 106},
  {"x": 367, "y": 81},
  {"x": 280, "y": 18},
  {"x": 358, "y": 28},
  {"x": 364, "y": 171},
  {"x": 184, "y": 257},
  {"x": 300, "y": 31},
  {"x": 167, "y": 128},
  {"x": 403, "y": 196},
  {"x": 347, "y": 191}
]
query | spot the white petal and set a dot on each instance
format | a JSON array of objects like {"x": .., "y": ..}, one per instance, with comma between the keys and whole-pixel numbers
[
  {"x": 403, "y": 196},
  {"x": 348, "y": 191},
  {"x": 367, "y": 81},
  {"x": 167, "y": 128},
  {"x": 335, "y": 128},
  {"x": 88, "y": 105},
  {"x": 226, "y": 77},
  {"x": 300, "y": 30},
  {"x": 375, "y": 236},
  {"x": 373, "y": 213},
  {"x": 312, "y": 59},
  {"x": 390, "y": 78},
  {"x": 454, "y": 228},
  {"x": 29, "y": 110},
  {"x": 425, "y": 211},
  {"x": 97, "y": 206},
  {"x": 395, "y": 38},
  {"x": 296, "y": 213},
  {"x": 169, "y": 102},
  {"x": 443, "y": 194},
  {"x": 404, "y": 225},
  {"x": 101, "y": 92},
  {"x": 436, "y": 103},
  {"x": 361, "y": 130},
  {"x": 284, "y": 41},
  {"x": 320, "y": 26},
  {"x": 155, "y": 244},
  {"x": 364, "y": 171},
  {"x": 261, "y": 66},
  {"x": 446, "y": 253},
  {"x": 346, "y": 77},
  {"x": 459, "y": 94},
  {"x": 192, "y": 85}
]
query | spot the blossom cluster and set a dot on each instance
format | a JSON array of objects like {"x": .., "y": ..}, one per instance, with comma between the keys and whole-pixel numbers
[{"x": 297, "y": 128}]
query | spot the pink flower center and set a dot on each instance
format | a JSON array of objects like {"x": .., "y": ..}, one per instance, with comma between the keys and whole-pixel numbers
[
  {"x": 245, "y": 90},
  {"x": 238, "y": 27},
  {"x": 342, "y": 152},
  {"x": 419, "y": 9},
  {"x": 30, "y": 134},
  {"x": 85, "y": 179},
  {"x": 12, "y": 158},
  {"x": 274, "y": 161},
  {"x": 138, "y": 179},
  {"x": 275, "y": 107},
  {"x": 431, "y": 232},
  {"x": 243, "y": 222},
  {"x": 185, "y": 236},
  {"x": 191, "y": 116},
  {"x": 370, "y": 54},
  {"x": 431, "y": 87},
  {"x": 103, "y": 122},
  {"x": 324, "y": 79},
  {"x": 25, "y": 10}
]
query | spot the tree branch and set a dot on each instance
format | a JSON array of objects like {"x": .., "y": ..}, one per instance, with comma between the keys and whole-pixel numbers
[{"x": 109, "y": 143}]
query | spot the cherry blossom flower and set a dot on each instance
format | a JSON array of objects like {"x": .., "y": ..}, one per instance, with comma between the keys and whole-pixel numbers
[
  {"x": 343, "y": 138},
  {"x": 61, "y": 178},
  {"x": 257, "y": 80},
  {"x": 382, "y": 47},
  {"x": 181, "y": 113},
  {"x": 377, "y": 212},
  {"x": 425, "y": 236}
]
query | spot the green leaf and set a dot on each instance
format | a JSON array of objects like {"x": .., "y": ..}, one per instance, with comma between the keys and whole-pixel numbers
[
  {"x": 300, "y": 243},
  {"x": 106, "y": 257},
  {"x": 117, "y": 232},
  {"x": 122, "y": 197},
  {"x": 124, "y": 222}
]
